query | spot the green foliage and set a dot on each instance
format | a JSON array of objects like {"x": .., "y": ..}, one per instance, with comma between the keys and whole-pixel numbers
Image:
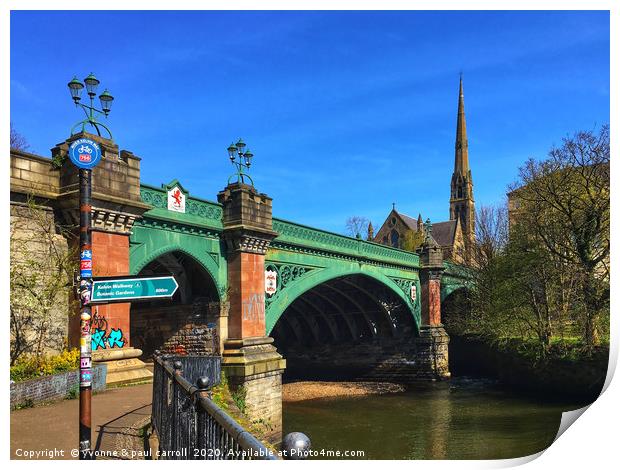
[
  {"x": 412, "y": 240},
  {"x": 238, "y": 396},
  {"x": 73, "y": 392},
  {"x": 58, "y": 160},
  {"x": 28, "y": 403},
  {"x": 545, "y": 287},
  {"x": 30, "y": 367}
]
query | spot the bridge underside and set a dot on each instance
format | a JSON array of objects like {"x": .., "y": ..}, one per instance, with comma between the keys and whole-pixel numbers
[{"x": 343, "y": 327}]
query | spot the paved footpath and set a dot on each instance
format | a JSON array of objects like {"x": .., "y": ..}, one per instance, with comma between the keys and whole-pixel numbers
[{"x": 118, "y": 415}]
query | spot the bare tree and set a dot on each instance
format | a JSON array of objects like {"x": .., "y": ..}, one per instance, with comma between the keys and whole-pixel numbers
[
  {"x": 356, "y": 226},
  {"x": 18, "y": 141},
  {"x": 491, "y": 233}
]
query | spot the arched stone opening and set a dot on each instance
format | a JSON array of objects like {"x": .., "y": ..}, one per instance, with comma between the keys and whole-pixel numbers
[
  {"x": 186, "y": 324},
  {"x": 343, "y": 327}
]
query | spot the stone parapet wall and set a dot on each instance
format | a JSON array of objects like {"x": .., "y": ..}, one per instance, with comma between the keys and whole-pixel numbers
[
  {"x": 53, "y": 387},
  {"x": 33, "y": 174}
]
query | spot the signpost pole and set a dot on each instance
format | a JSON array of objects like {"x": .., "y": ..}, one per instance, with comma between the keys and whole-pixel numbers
[
  {"x": 85, "y": 154},
  {"x": 85, "y": 315}
]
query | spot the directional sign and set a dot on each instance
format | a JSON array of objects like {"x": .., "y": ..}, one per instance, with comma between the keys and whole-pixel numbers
[{"x": 120, "y": 289}]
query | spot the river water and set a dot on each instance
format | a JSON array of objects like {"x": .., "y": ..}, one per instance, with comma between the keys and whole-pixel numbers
[{"x": 460, "y": 419}]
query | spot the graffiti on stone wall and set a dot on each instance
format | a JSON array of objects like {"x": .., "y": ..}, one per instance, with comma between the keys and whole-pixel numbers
[
  {"x": 253, "y": 307},
  {"x": 104, "y": 338}
]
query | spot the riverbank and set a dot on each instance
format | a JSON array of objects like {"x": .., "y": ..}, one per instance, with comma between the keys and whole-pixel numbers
[
  {"x": 579, "y": 378},
  {"x": 306, "y": 390}
]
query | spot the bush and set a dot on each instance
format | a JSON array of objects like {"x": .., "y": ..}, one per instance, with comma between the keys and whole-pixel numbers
[{"x": 29, "y": 367}]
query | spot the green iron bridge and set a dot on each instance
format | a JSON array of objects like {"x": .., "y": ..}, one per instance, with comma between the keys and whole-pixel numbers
[{"x": 329, "y": 288}]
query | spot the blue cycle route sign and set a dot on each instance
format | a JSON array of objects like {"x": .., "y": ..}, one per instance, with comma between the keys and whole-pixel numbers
[
  {"x": 132, "y": 289},
  {"x": 85, "y": 153}
]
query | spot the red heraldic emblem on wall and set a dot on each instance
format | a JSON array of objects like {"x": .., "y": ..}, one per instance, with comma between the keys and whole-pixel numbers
[{"x": 176, "y": 200}]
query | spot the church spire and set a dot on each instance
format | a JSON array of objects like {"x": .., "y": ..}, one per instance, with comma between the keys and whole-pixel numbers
[
  {"x": 462, "y": 187},
  {"x": 461, "y": 154}
]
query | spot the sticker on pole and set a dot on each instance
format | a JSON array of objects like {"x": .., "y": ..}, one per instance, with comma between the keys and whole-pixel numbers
[{"x": 85, "y": 153}]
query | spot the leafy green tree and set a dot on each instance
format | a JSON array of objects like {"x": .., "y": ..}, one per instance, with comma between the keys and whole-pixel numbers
[
  {"x": 564, "y": 210},
  {"x": 412, "y": 240}
]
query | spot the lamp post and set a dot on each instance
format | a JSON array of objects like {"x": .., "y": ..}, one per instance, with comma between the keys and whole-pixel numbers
[
  {"x": 105, "y": 98},
  {"x": 241, "y": 158},
  {"x": 85, "y": 154}
]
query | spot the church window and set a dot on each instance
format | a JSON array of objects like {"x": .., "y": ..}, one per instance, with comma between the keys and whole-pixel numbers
[{"x": 394, "y": 238}]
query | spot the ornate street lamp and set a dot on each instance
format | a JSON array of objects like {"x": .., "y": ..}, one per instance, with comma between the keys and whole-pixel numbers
[
  {"x": 241, "y": 158},
  {"x": 91, "y": 82}
]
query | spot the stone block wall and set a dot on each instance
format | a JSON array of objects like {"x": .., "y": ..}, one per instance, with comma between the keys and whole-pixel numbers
[
  {"x": 32, "y": 174},
  {"x": 53, "y": 387},
  {"x": 116, "y": 176},
  {"x": 263, "y": 400},
  {"x": 176, "y": 329},
  {"x": 403, "y": 360},
  {"x": 38, "y": 249}
]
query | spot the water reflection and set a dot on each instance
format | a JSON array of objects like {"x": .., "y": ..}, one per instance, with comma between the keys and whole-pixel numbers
[{"x": 460, "y": 419}]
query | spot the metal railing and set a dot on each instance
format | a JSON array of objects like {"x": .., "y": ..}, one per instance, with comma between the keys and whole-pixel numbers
[{"x": 190, "y": 426}]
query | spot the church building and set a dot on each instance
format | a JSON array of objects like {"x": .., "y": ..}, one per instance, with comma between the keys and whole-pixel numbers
[{"x": 456, "y": 236}]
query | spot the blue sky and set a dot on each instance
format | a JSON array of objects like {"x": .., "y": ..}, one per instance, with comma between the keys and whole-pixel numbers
[{"x": 346, "y": 112}]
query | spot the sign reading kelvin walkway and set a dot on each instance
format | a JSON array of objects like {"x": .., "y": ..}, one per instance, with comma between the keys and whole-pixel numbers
[{"x": 132, "y": 288}]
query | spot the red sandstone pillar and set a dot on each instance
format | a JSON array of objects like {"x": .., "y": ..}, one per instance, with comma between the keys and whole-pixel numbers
[
  {"x": 431, "y": 297},
  {"x": 111, "y": 258},
  {"x": 249, "y": 358},
  {"x": 432, "y": 343},
  {"x": 116, "y": 204}
]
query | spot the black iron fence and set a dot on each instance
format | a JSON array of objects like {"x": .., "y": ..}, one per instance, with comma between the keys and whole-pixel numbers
[{"x": 188, "y": 424}]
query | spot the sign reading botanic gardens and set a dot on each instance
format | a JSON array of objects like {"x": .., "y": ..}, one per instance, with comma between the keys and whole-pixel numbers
[
  {"x": 131, "y": 289},
  {"x": 85, "y": 153}
]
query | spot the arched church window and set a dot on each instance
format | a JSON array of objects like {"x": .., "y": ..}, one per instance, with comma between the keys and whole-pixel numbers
[
  {"x": 394, "y": 238},
  {"x": 460, "y": 192}
]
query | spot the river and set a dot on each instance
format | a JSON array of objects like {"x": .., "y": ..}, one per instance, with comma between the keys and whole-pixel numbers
[{"x": 463, "y": 418}]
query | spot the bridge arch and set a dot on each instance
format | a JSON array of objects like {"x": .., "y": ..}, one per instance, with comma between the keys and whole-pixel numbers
[
  {"x": 139, "y": 259},
  {"x": 178, "y": 325},
  {"x": 341, "y": 323},
  {"x": 306, "y": 283}
]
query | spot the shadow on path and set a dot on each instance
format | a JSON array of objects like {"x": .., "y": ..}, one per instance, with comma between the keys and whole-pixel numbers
[{"x": 123, "y": 438}]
